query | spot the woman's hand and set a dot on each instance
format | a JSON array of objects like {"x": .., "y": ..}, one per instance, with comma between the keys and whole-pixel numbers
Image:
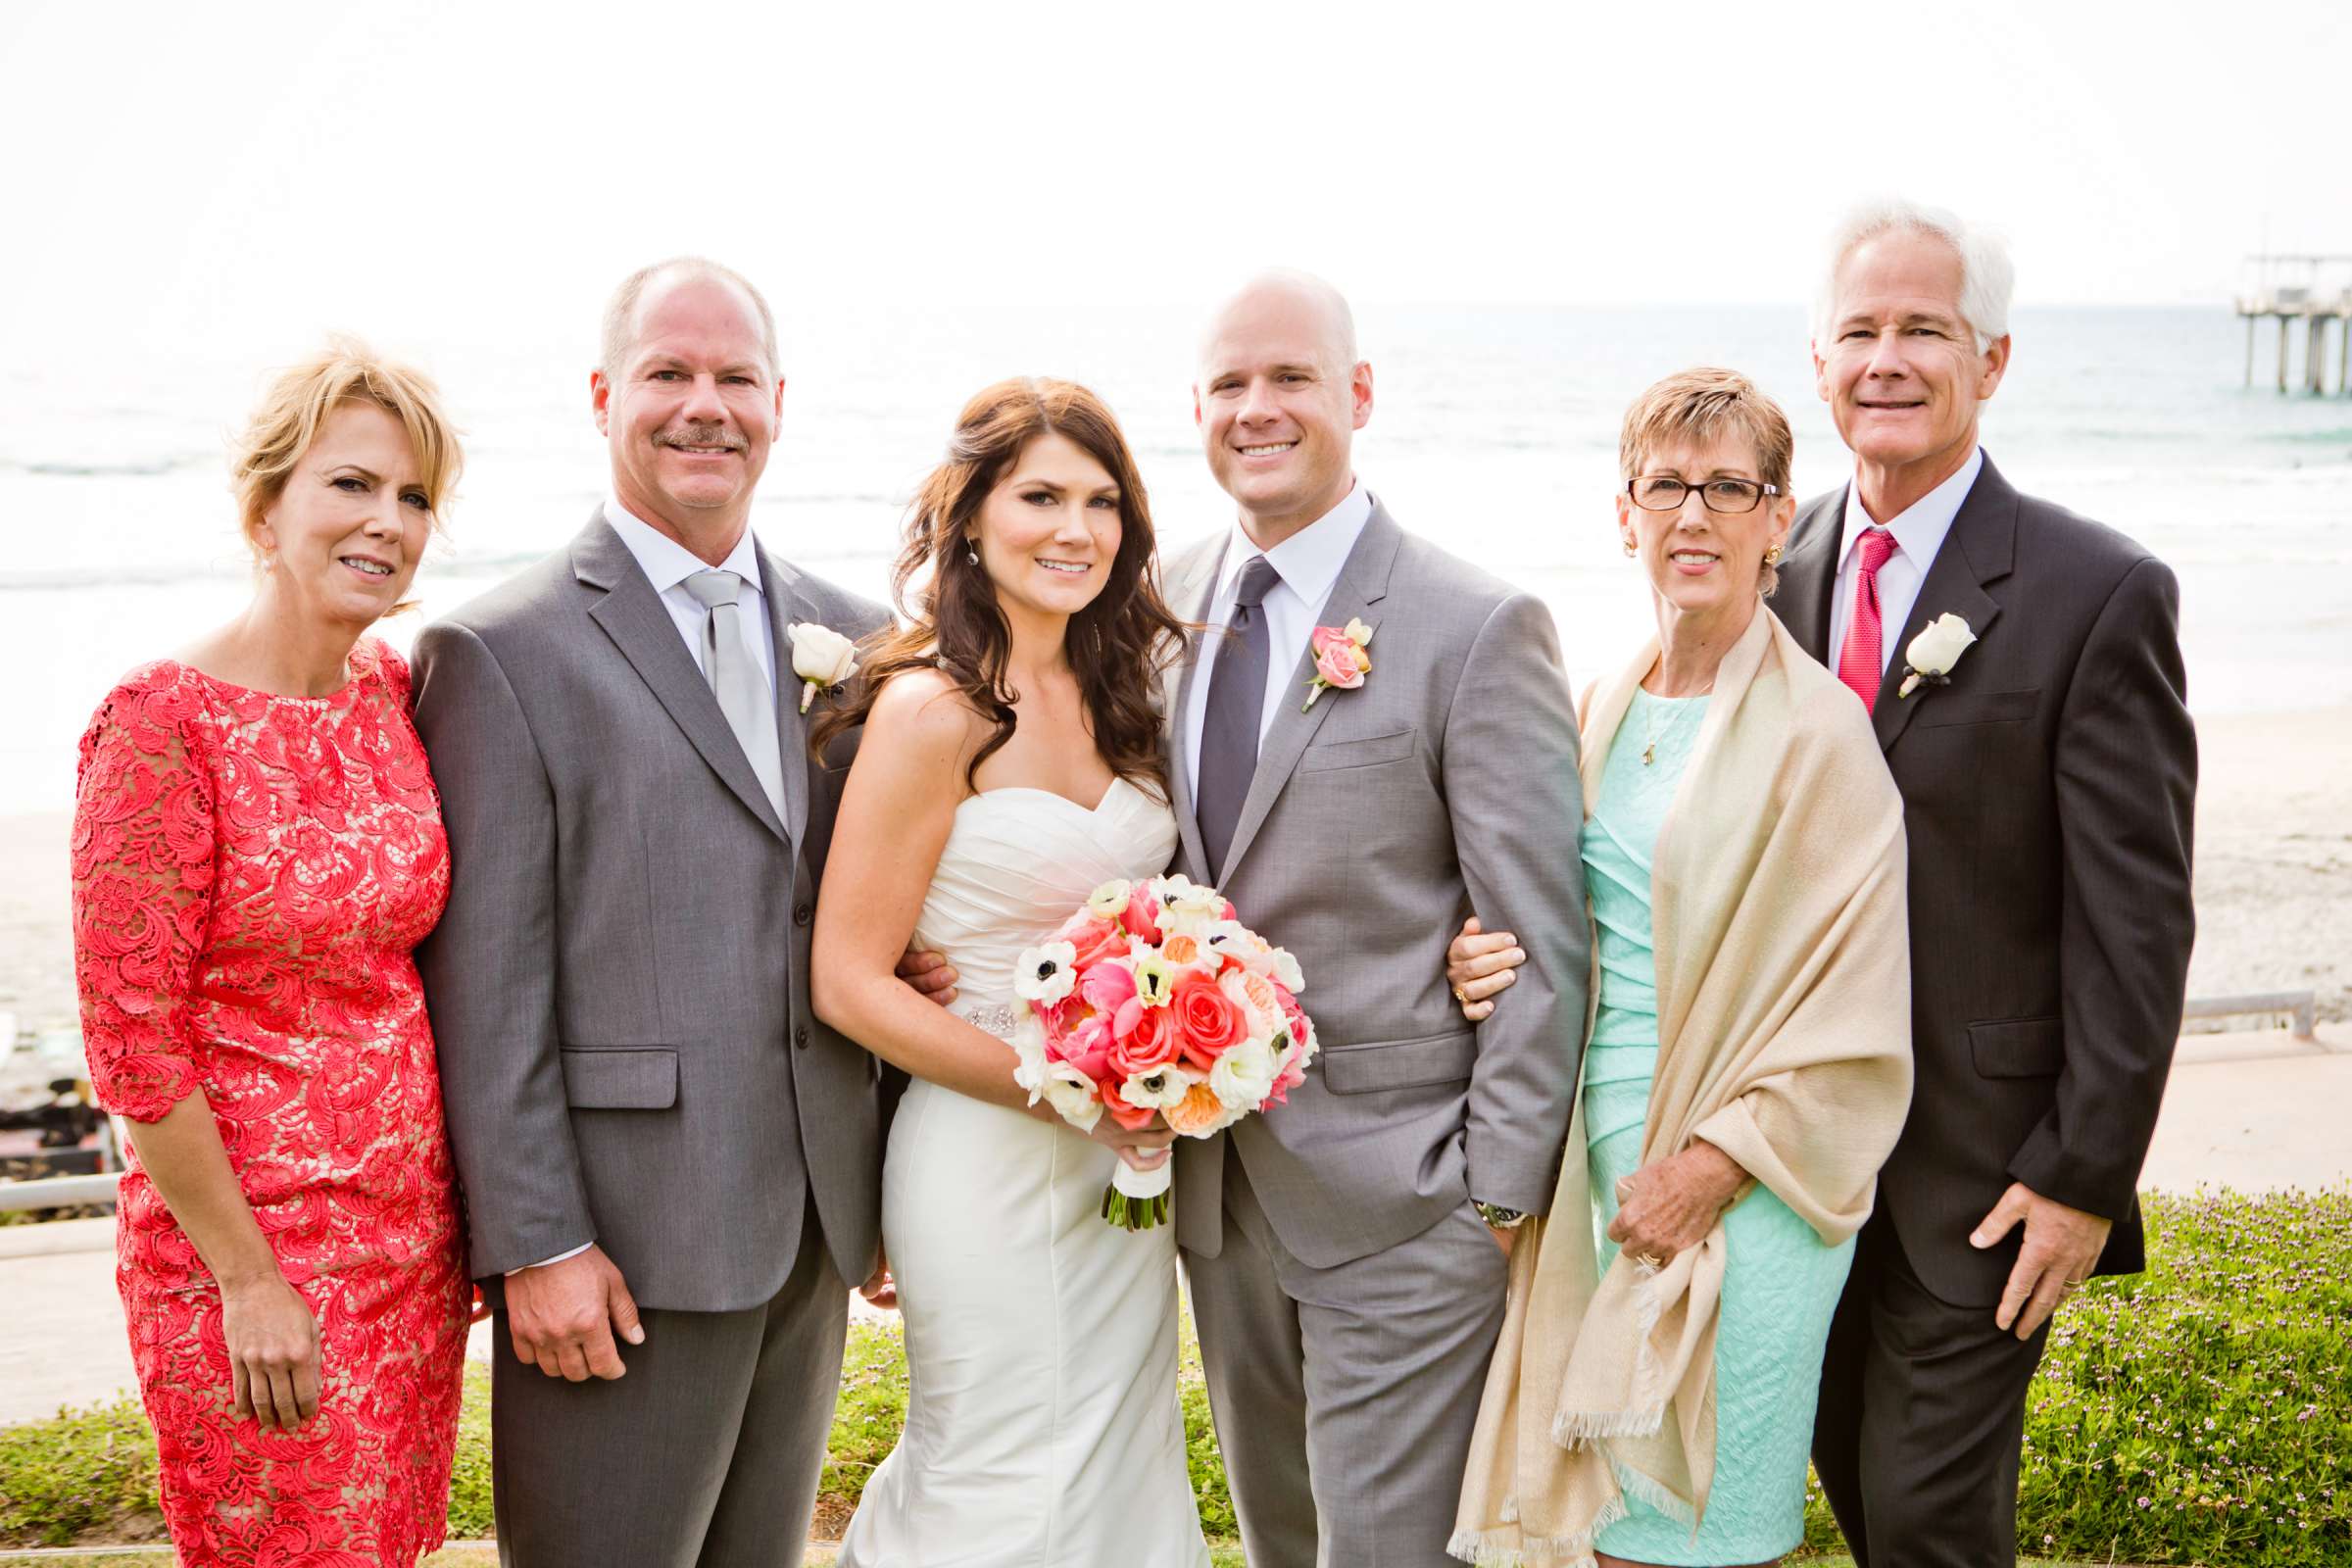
[
  {"x": 272, "y": 1353},
  {"x": 881, "y": 1288},
  {"x": 1668, "y": 1208},
  {"x": 1479, "y": 966},
  {"x": 1145, "y": 1147}
]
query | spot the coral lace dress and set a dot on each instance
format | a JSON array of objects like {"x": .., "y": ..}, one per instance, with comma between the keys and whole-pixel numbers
[{"x": 250, "y": 875}]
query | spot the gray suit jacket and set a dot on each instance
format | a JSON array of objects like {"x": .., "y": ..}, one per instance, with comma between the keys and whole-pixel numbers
[
  {"x": 1376, "y": 822},
  {"x": 620, "y": 988}
]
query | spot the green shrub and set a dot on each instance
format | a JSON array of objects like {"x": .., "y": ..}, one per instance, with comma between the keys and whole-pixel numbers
[
  {"x": 2195, "y": 1414},
  {"x": 79, "y": 1474}
]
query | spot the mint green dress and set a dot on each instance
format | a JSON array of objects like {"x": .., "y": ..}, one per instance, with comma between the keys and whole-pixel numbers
[{"x": 1781, "y": 1282}]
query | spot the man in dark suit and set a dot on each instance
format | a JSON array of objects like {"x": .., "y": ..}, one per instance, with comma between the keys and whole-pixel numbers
[{"x": 2047, "y": 774}]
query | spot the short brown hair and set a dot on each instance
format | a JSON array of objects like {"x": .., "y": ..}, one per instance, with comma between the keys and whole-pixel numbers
[
  {"x": 1698, "y": 407},
  {"x": 297, "y": 400}
]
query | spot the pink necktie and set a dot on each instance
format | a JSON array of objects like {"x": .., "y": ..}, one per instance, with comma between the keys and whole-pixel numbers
[{"x": 1860, "y": 662}]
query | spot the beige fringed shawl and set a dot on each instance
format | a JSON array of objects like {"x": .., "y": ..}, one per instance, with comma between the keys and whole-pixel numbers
[{"x": 1784, "y": 1038}]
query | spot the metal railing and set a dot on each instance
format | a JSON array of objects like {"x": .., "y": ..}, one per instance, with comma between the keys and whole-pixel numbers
[{"x": 2300, "y": 1007}]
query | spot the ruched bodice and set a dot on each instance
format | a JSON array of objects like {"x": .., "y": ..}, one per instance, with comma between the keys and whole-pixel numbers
[
  {"x": 1043, "y": 1429},
  {"x": 1018, "y": 862}
]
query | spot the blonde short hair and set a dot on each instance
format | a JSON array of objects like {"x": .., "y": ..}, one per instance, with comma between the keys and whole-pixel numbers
[
  {"x": 1699, "y": 407},
  {"x": 278, "y": 433}
]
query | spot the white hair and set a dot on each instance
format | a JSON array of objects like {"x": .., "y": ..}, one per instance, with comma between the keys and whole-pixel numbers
[{"x": 1988, "y": 276}]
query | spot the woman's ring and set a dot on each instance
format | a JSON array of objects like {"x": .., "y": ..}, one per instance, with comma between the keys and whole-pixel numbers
[{"x": 1649, "y": 1260}]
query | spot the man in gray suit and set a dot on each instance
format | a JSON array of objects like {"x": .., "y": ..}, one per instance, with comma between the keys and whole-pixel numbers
[
  {"x": 659, "y": 1142},
  {"x": 1346, "y": 1253}
]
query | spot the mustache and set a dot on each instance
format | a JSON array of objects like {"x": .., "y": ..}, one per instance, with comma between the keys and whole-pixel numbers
[{"x": 704, "y": 435}]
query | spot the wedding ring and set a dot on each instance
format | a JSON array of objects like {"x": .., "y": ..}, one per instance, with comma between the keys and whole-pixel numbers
[
  {"x": 1648, "y": 1261},
  {"x": 1462, "y": 996}
]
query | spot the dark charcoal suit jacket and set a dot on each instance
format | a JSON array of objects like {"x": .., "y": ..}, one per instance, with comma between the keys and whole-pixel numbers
[{"x": 2047, "y": 794}]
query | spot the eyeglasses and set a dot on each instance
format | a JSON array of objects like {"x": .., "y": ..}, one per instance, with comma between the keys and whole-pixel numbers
[{"x": 1659, "y": 492}]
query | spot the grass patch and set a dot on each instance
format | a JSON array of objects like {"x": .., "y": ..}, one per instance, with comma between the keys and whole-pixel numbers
[{"x": 2195, "y": 1414}]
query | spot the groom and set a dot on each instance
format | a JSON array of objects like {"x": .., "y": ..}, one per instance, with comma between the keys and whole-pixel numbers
[
  {"x": 670, "y": 1167},
  {"x": 1346, "y": 1253}
]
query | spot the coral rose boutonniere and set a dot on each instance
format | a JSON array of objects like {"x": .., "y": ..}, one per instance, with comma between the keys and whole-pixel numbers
[
  {"x": 1934, "y": 651},
  {"x": 822, "y": 656},
  {"x": 1342, "y": 659}
]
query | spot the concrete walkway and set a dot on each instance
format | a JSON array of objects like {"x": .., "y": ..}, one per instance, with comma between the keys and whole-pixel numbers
[{"x": 2254, "y": 1111}]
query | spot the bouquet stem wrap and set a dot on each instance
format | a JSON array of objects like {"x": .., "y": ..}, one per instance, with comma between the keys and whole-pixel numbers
[{"x": 1137, "y": 1200}]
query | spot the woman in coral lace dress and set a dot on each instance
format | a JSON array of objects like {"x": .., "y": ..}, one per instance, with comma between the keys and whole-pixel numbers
[{"x": 257, "y": 847}]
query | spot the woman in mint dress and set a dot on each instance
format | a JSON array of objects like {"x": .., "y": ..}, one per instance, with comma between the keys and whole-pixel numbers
[{"x": 1653, "y": 1401}]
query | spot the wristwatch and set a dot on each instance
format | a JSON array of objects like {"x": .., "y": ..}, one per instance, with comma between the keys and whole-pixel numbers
[{"x": 1500, "y": 1219}]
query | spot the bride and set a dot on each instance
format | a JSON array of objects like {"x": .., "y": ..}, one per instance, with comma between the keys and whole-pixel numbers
[{"x": 1010, "y": 762}]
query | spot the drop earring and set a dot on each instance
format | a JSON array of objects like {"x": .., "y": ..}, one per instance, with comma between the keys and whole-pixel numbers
[
  {"x": 971, "y": 557},
  {"x": 1629, "y": 550}
]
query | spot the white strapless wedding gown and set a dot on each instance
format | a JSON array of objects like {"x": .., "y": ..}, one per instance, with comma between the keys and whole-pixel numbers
[{"x": 1042, "y": 1425}]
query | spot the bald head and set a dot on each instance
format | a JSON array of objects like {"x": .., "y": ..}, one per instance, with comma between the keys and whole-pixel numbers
[
  {"x": 1278, "y": 399},
  {"x": 1299, "y": 303},
  {"x": 621, "y": 310}
]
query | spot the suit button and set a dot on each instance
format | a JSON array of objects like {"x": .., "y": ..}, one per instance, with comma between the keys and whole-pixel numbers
[
  {"x": 800, "y": 1037},
  {"x": 802, "y": 914}
]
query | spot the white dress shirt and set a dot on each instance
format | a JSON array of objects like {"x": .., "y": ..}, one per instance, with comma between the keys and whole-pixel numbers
[
  {"x": 1919, "y": 532},
  {"x": 667, "y": 563},
  {"x": 1307, "y": 564}
]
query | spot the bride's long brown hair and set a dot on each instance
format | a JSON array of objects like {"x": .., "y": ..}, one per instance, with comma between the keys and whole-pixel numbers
[{"x": 1118, "y": 646}]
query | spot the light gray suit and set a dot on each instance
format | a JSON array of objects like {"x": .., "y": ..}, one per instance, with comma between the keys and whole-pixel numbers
[
  {"x": 1348, "y": 1295},
  {"x": 619, "y": 996}
]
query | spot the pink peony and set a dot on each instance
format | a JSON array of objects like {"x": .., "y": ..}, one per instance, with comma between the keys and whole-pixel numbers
[
  {"x": 1292, "y": 1075},
  {"x": 1095, "y": 937},
  {"x": 1088, "y": 1047},
  {"x": 1143, "y": 914},
  {"x": 1207, "y": 1023},
  {"x": 1107, "y": 988}
]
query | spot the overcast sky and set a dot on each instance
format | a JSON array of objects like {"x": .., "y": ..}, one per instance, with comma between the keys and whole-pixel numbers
[{"x": 202, "y": 171}]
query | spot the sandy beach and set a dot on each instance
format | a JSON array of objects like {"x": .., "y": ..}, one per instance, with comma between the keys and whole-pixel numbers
[{"x": 2274, "y": 872}]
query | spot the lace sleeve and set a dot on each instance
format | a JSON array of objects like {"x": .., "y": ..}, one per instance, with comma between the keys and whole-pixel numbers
[{"x": 142, "y": 895}]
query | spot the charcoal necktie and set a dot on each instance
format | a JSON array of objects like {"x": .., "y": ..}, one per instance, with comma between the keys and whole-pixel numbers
[{"x": 1237, "y": 702}]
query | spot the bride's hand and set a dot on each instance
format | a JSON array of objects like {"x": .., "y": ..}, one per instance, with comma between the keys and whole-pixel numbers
[{"x": 1145, "y": 1147}]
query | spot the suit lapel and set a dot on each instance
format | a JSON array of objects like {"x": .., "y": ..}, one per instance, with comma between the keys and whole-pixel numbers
[
  {"x": 780, "y": 583},
  {"x": 1809, "y": 575},
  {"x": 1188, "y": 597},
  {"x": 1980, "y": 549},
  {"x": 633, "y": 615},
  {"x": 1362, "y": 583}
]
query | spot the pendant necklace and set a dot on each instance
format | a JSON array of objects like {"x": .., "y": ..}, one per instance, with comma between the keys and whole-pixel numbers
[{"x": 1649, "y": 721}]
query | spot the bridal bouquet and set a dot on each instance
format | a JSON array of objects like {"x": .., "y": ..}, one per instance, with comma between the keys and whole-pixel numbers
[{"x": 1154, "y": 1001}]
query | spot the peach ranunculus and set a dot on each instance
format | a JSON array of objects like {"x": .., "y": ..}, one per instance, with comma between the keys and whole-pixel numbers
[
  {"x": 1200, "y": 1113},
  {"x": 1207, "y": 1023},
  {"x": 1177, "y": 948},
  {"x": 1257, "y": 996},
  {"x": 1154, "y": 1042}
]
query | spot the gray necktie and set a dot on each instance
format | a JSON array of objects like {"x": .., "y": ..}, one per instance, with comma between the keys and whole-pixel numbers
[
  {"x": 743, "y": 693},
  {"x": 1237, "y": 702}
]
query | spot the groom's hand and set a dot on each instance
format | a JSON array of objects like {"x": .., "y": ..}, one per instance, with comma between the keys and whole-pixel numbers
[
  {"x": 2062, "y": 1247},
  {"x": 563, "y": 1316},
  {"x": 929, "y": 974}
]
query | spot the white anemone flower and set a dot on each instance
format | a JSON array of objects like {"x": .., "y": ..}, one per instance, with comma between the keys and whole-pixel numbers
[{"x": 1045, "y": 974}]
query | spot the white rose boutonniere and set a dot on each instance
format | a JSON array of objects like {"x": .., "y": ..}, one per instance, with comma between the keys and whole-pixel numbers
[
  {"x": 822, "y": 656},
  {"x": 1934, "y": 651}
]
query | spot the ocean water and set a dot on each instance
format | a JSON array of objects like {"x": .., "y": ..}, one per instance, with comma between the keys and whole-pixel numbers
[{"x": 1494, "y": 431}]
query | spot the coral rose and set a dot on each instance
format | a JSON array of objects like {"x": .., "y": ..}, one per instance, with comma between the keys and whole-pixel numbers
[
  {"x": 1152, "y": 1044},
  {"x": 1143, "y": 914},
  {"x": 1207, "y": 1023}
]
